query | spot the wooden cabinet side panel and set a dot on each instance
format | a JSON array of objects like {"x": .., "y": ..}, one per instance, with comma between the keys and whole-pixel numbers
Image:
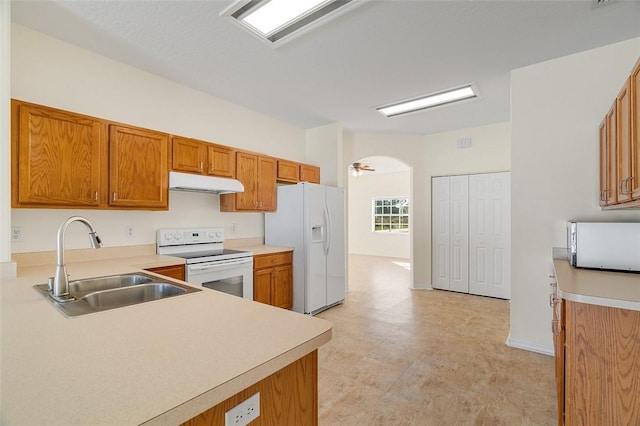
[
  {"x": 558, "y": 344},
  {"x": 187, "y": 155},
  {"x": 138, "y": 168},
  {"x": 613, "y": 148},
  {"x": 287, "y": 397},
  {"x": 57, "y": 157},
  {"x": 604, "y": 161},
  {"x": 635, "y": 129},
  {"x": 602, "y": 365},
  {"x": 623, "y": 134},
  {"x": 177, "y": 271}
]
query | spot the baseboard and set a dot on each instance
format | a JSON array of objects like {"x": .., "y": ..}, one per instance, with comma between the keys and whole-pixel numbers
[
  {"x": 420, "y": 287},
  {"x": 531, "y": 347}
]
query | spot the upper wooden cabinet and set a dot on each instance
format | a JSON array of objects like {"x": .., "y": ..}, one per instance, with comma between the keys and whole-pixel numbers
[
  {"x": 138, "y": 168},
  {"x": 309, "y": 173},
  {"x": 58, "y": 158},
  {"x": 193, "y": 156},
  {"x": 288, "y": 171},
  {"x": 258, "y": 175},
  {"x": 620, "y": 148}
]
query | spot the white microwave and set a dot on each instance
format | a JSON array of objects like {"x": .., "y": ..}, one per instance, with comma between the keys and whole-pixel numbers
[{"x": 604, "y": 245}]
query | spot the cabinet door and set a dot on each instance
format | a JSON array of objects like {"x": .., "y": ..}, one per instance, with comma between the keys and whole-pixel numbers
[
  {"x": 188, "y": 155},
  {"x": 222, "y": 161},
  {"x": 309, "y": 173},
  {"x": 262, "y": 285},
  {"x": 635, "y": 128},
  {"x": 623, "y": 133},
  {"x": 60, "y": 157},
  {"x": 606, "y": 193},
  {"x": 282, "y": 287},
  {"x": 138, "y": 169},
  {"x": 266, "y": 184},
  {"x": 440, "y": 244},
  {"x": 613, "y": 158},
  {"x": 176, "y": 271},
  {"x": 247, "y": 173},
  {"x": 288, "y": 171},
  {"x": 558, "y": 345}
]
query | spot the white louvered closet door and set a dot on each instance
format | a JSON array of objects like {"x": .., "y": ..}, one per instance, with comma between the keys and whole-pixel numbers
[{"x": 490, "y": 234}]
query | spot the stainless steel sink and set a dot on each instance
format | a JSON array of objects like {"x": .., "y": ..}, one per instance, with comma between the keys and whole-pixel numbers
[{"x": 104, "y": 293}]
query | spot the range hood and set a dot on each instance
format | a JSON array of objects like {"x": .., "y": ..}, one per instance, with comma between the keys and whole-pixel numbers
[{"x": 209, "y": 184}]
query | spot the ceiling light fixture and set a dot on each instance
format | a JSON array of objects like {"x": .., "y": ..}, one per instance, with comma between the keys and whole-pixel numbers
[
  {"x": 275, "y": 20},
  {"x": 445, "y": 97}
]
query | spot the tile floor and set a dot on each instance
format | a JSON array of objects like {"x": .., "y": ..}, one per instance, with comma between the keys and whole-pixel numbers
[{"x": 402, "y": 357}]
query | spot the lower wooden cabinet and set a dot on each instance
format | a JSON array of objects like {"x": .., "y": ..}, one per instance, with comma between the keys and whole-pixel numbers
[
  {"x": 175, "y": 271},
  {"x": 273, "y": 279},
  {"x": 598, "y": 365},
  {"x": 287, "y": 397}
]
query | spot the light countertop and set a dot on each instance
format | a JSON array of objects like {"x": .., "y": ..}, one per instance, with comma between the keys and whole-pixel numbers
[
  {"x": 160, "y": 362},
  {"x": 605, "y": 288}
]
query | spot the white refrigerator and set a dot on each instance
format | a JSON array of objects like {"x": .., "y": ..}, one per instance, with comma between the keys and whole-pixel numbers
[{"x": 311, "y": 219}]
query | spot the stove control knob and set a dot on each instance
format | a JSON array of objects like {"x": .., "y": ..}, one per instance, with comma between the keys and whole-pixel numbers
[
  {"x": 168, "y": 236},
  {"x": 177, "y": 236},
  {"x": 218, "y": 234},
  {"x": 212, "y": 234}
]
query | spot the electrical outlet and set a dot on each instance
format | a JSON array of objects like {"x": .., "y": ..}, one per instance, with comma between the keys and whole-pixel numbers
[
  {"x": 243, "y": 413},
  {"x": 129, "y": 231},
  {"x": 16, "y": 234}
]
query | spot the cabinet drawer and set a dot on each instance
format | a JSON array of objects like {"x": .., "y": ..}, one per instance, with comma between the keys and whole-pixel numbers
[
  {"x": 269, "y": 260},
  {"x": 177, "y": 271}
]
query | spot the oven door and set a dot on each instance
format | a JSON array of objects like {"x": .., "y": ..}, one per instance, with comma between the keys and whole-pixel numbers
[{"x": 233, "y": 276}]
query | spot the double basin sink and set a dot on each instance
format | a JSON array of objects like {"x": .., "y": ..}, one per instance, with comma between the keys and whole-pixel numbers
[{"x": 115, "y": 291}]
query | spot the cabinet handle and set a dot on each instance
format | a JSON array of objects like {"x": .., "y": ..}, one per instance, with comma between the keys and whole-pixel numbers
[
  {"x": 630, "y": 179},
  {"x": 201, "y": 165},
  {"x": 96, "y": 195},
  {"x": 620, "y": 187},
  {"x": 115, "y": 196},
  {"x": 555, "y": 329}
]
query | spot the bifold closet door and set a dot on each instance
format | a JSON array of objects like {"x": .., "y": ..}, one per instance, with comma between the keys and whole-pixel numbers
[
  {"x": 490, "y": 235},
  {"x": 450, "y": 233}
]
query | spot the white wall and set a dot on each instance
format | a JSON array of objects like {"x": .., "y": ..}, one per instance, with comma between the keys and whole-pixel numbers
[
  {"x": 50, "y": 72},
  {"x": 556, "y": 107},
  {"x": 362, "y": 240},
  {"x": 323, "y": 147}
]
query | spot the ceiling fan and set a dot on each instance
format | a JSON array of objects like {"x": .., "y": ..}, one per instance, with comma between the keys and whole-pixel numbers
[{"x": 358, "y": 168}]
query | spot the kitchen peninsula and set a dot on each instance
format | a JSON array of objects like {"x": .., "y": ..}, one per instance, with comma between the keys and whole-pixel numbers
[{"x": 161, "y": 362}]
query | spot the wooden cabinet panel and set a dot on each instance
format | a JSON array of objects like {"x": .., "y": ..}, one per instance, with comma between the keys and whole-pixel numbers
[
  {"x": 288, "y": 171},
  {"x": 612, "y": 138},
  {"x": 187, "y": 155},
  {"x": 309, "y": 173},
  {"x": 266, "y": 184},
  {"x": 59, "y": 158},
  {"x": 602, "y": 352},
  {"x": 623, "y": 143},
  {"x": 176, "y": 271},
  {"x": 287, "y": 397},
  {"x": 138, "y": 169},
  {"x": 262, "y": 286},
  {"x": 281, "y": 287},
  {"x": 221, "y": 161},
  {"x": 558, "y": 326},
  {"x": 273, "y": 279},
  {"x": 258, "y": 175}
]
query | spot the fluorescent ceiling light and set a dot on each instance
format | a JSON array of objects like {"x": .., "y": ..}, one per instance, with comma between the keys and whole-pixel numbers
[
  {"x": 277, "y": 13},
  {"x": 276, "y": 20},
  {"x": 429, "y": 101}
]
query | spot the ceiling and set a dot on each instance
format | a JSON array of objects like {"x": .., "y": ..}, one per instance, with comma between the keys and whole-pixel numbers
[{"x": 377, "y": 53}]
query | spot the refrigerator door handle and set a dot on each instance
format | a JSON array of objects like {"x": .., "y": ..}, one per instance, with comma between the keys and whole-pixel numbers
[{"x": 327, "y": 238}]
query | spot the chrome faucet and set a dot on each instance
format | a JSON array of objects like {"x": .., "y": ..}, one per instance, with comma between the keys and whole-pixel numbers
[{"x": 60, "y": 285}]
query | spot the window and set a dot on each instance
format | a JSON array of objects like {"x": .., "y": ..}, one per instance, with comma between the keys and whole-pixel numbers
[{"x": 391, "y": 214}]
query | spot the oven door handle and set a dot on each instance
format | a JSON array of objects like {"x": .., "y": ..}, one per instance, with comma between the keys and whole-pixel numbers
[{"x": 220, "y": 266}]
